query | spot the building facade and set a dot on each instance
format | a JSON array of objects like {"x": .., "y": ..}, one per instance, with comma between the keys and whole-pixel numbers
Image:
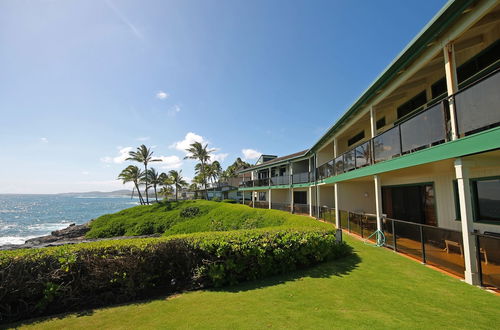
[{"x": 417, "y": 156}]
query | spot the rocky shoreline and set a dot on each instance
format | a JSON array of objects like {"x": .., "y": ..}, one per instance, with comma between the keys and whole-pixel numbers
[{"x": 73, "y": 234}]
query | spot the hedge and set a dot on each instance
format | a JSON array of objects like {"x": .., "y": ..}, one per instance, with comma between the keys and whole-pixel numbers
[{"x": 72, "y": 277}]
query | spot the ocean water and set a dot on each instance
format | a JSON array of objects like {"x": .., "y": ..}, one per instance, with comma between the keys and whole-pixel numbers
[{"x": 26, "y": 216}]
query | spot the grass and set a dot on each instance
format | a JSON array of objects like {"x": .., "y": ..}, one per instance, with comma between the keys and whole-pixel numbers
[
  {"x": 167, "y": 218},
  {"x": 375, "y": 288}
]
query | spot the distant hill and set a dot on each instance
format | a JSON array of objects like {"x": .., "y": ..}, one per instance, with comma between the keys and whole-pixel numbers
[{"x": 116, "y": 193}]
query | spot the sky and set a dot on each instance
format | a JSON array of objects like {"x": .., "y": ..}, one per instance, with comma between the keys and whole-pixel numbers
[{"x": 83, "y": 82}]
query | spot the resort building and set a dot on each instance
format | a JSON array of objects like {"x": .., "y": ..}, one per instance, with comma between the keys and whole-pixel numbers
[{"x": 417, "y": 156}]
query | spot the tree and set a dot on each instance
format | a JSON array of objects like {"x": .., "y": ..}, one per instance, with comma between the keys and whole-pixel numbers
[
  {"x": 155, "y": 179},
  {"x": 215, "y": 171},
  {"x": 177, "y": 180},
  {"x": 143, "y": 155},
  {"x": 133, "y": 174},
  {"x": 201, "y": 153}
]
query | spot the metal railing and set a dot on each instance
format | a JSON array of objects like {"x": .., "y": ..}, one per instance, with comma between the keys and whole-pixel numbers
[
  {"x": 280, "y": 180},
  {"x": 261, "y": 204},
  {"x": 488, "y": 257},
  {"x": 280, "y": 206},
  {"x": 301, "y": 208}
]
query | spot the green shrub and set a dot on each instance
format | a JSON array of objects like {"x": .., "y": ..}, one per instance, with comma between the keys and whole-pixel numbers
[
  {"x": 231, "y": 201},
  {"x": 53, "y": 280},
  {"x": 190, "y": 212},
  {"x": 216, "y": 199}
]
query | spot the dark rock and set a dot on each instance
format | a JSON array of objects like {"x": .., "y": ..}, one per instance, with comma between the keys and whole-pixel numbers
[{"x": 72, "y": 231}]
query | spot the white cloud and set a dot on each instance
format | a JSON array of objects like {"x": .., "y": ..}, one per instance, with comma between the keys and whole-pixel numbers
[
  {"x": 161, "y": 95},
  {"x": 250, "y": 153},
  {"x": 218, "y": 157},
  {"x": 123, "y": 154},
  {"x": 85, "y": 172},
  {"x": 44, "y": 140},
  {"x": 190, "y": 138},
  {"x": 143, "y": 138},
  {"x": 168, "y": 162},
  {"x": 174, "y": 110}
]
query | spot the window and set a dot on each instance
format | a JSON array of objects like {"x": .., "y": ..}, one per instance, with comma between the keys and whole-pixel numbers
[
  {"x": 479, "y": 62},
  {"x": 300, "y": 197},
  {"x": 358, "y": 137},
  {"x": 262, "y": 196},
  {"x": 409, "y": 106},
  {"x": 439, "y": 88},
  {"x": 380, "y": 123},
  {"x": 486, "y": 199}
]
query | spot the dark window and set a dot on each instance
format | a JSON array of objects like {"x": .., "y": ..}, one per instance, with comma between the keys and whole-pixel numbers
[
  {"x": 358, "y": 137},
  {"x": 300, "y": 197},
  {"x": 413, "y": 203},
  {"x": 439, "y": 88},
  {"x": 409, "y": 106},
  {"x": 479, "y": 62},
  {"x": 262, "y": 196},
  {"x": 487, "y": 199},
  {"x": 458, "y": 216},
  {"x": 380, "y": 123}
]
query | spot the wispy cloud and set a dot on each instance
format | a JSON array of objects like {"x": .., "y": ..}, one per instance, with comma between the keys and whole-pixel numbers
[
  {"x": 85, "y": 172},
  {"x": 250, "y": 154},
  {"x": 161, "y": 95},
  {"x": 44, "y": 140},
  {"x": 174, "y": 110},
  {"x": 124, "y": 19},
  {"x": 219, "y": 157},
  {"x": 143, "y": 138},
  {"x": 123, "y": 154}
]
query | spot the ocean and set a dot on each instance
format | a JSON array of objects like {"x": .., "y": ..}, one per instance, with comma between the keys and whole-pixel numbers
[{"x": 26, "y": 216}]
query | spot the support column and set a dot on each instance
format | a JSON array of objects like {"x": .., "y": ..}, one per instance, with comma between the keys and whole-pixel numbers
[
  {"x": 269, "y": 198},
  {"x": 378, "y": 201},
  {"x": 253, "y": 199},
  {"x": 469, "y": 242},
  {"x": 373, "y": 122},
  {"x": 243, "y": 197},
  {"x": 337, "y": 206},
  {"x": 451, "y": 84},
  {"x": 291, "y": 200},
  {"x": 318, "y": 200},
  {"x": 310, "y": 201}
]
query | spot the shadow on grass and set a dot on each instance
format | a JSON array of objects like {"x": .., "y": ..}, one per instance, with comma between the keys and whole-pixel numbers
[{"x": 339, "y": 267}]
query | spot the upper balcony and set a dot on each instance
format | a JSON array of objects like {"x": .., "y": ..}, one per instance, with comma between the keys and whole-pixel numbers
[{"x": 476, "y": 109}]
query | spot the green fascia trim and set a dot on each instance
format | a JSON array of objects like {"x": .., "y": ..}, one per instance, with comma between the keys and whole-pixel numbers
[
  {"x": 480, "y": 142},
  {"x": 264, "y": 188},
  {"x": 302, "y": 185},
  {"x": 439, "y": 23}
]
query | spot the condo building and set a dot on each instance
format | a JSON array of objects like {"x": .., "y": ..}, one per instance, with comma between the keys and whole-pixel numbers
[{"x": 417, "y": 156}]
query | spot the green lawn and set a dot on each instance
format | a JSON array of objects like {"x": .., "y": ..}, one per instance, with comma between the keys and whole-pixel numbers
[{"x": 375, "y": 288}]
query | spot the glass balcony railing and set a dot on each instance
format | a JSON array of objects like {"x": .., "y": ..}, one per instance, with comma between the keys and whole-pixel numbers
[
  {"x": 488, "y": 256},
  {"x": 326, "y": 170},
  {"x": 300, "y": 177},
  {"x": 280, "y": 180},
  {"x": 476, "y": 106}
]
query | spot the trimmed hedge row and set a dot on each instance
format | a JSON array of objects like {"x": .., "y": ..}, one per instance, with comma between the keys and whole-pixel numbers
[{"x": 53, "y": 280}]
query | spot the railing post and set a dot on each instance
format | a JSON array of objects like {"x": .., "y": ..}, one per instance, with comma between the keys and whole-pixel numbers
[
  {"x": 348, "y": 221},
  {"x": 478, "y": 257},
  {"x": 422, "y": 243},
  {"x": 394, "y": 236}
]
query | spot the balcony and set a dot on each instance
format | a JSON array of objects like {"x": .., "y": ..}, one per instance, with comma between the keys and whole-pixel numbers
[
  {"x": 476, "y": 108},
  {"x": 280, "y": 180},
  {"x": 300, "y": 177}
]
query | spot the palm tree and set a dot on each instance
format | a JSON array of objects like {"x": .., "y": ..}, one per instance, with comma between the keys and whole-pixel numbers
[
  {"x": 215, "y": 170},
  {"x": 132, "y": 174},
  {"x": 199, "y": 152},
  {"x": 177, "y": 180},
  {"x": 155, "y": 179},
  {"x": 143, "y": 155}
]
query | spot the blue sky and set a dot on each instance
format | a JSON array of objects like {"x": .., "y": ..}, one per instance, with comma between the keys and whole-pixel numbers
[{"x": 85, "y": 81}]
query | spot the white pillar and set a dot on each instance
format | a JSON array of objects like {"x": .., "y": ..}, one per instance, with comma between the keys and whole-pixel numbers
[
  {"x": 373, "y": 122},
  {"x": 243, "y": 197},
  {"x": 253, "y": 198},
  {"x": 310, "y": 201},
  {"x": 469, "y": 242},
  {"x": 451, "y": 84},
  {"x": 269, "y": 198},
  {"x": 378, "y": 201},
  {"x": 337, "y": 206},
  {"x": 318, "y": 200}
]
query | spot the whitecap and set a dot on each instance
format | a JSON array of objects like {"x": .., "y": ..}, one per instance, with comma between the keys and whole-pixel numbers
[{"x": 14, "y": 239}]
